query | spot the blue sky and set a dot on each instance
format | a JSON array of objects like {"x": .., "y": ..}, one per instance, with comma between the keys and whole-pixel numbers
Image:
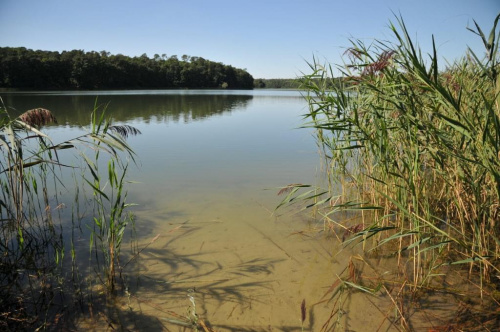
[{"x": 269, "y": 38}]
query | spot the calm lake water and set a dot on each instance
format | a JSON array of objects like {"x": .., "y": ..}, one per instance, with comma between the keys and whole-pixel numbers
[
  {"x": 208, "y": 165},
  {"x": 197, "y": 142}
]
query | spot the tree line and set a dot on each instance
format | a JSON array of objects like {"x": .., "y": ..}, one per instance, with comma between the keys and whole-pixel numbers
[
  {"x": 293, "y": 83},
  {"x": 35, "y": 69}
]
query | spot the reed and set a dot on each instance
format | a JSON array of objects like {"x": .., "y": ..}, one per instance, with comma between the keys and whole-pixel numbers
[
  {"x": 109, "y": 193},
  {"x": 415, "y": 144},
  {"x": 32, "y": 249}
]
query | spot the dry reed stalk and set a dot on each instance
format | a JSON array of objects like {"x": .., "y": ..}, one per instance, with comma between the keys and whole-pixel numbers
[
  {"x": 204, "y": 326},
  {"x": 398, "y": 307}
]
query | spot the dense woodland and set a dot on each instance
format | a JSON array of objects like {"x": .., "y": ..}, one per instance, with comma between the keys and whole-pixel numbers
[
  {"x": 34, "y": 69},
  {"x": 293, "y": 83},
  {"x": 277, "y": 83}
]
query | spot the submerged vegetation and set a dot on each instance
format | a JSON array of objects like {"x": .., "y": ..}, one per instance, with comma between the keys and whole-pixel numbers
[{"x": 412, "y": 148}]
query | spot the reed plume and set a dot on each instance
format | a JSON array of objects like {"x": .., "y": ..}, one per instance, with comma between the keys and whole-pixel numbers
[
  {"x": 288, "y": 188},
  {"x": 125, "y": 130},
  {"x": 37, "y": 117}
]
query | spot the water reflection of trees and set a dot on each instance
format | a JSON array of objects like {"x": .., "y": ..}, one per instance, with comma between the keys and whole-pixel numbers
[{"x": 75, "y": 109}]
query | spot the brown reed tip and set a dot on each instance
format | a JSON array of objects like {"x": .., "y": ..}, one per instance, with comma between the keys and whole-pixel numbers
[
  {"x": 37, "y": 117},
  {"x": 288, "y": 188}
]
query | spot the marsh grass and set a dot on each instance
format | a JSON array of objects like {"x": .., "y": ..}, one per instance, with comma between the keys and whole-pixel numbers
[
  {"x": 31, "y": 247},
  {"x": 33, "y": 283},
  {"x": 108, "y": 189},
  {"x": 415, "y": 148}
]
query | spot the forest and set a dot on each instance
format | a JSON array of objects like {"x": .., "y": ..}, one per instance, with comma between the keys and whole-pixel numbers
[
  {"x": 24, "y": 68},
  {"x": 294, "y": 83},
  {"x": 277, "y": 83}
]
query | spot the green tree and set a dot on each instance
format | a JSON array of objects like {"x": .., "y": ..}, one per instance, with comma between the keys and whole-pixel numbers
[{"x": 25, "y": 68}]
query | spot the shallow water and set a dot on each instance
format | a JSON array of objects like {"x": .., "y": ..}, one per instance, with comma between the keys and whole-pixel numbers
[{"x": 209, "y": 165}]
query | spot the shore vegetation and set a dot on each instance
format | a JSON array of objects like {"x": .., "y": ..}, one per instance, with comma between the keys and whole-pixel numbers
[
  {"x": 39, "y": 269},
  {"x": 412, "y": 150}
]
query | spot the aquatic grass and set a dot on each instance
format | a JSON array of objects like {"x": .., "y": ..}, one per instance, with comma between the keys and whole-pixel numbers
[
  {"x": 32, "y": 282},
  {"x": 419, "y": 143},
  {"x": 109, "y": 208},
  {"x": 346, "y": 283},
  {"x": 415, "y": 149},
  {"x": 30, "y": 243}
]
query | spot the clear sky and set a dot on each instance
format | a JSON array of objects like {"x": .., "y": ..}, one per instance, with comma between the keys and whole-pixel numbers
[{"x": 269, "y": 38}]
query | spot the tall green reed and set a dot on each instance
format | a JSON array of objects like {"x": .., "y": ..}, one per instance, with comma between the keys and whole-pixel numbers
[
  {"x": 109, "y": 192},
  {"x": 31, "y": 238},
  {"x": 418, "y": 145},
  {"x": 31, "y": 246}
]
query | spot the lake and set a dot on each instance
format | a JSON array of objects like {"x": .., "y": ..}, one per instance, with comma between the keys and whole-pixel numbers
[{"x": 209, "y": 164}]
